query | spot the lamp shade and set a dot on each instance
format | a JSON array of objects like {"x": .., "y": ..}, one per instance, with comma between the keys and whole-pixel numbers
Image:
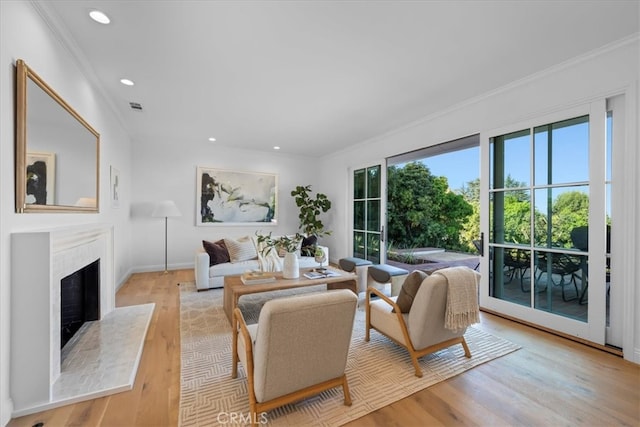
[{"x": 165, "y": 209}]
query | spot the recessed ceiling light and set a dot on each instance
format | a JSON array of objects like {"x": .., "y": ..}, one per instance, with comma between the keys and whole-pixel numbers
[
  {"x": 276, "y": 148},
  {"x": 126, "y": 82},
  {"x": 100, "y": 17},
  {"x": 212, "y": 139}
]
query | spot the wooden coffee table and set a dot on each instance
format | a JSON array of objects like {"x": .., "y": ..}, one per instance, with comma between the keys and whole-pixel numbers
[{"x": 234, "y": 289}]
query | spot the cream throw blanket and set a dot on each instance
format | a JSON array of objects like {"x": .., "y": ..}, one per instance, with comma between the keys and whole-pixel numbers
[
  {"x": 462, "y": 297},
  {"x": 269, "y": 261}
]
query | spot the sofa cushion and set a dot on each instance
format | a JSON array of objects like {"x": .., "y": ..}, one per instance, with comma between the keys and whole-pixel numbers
[
  {"x": 410, "y": 289},
  {"x": 241, "y": 249},
  {"x": 217, "y": 251}
]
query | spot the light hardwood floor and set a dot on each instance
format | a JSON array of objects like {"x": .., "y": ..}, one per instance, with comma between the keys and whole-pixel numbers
[{"x": 551, "y": 381}]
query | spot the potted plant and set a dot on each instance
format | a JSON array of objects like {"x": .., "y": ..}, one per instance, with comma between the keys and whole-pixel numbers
[
  {"x": 310, "y": 223},
  {"x": 290, "y": 244}
]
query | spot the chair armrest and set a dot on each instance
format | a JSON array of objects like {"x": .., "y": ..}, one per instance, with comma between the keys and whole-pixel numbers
[
  {"x": 378, "y": 292},
  {"x": 247, "y": 343},
  {"x": 396, "y": 311},
  {"x": 201, "y": 270}
]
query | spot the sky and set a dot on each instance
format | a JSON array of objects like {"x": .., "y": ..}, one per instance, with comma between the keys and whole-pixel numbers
[
  {"x": 459, "y": 167},
  {"x": 569, "y": 159}
]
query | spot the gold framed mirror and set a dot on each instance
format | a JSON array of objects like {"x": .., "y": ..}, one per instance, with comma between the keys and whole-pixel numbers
[{"x": 57, "y": 151}]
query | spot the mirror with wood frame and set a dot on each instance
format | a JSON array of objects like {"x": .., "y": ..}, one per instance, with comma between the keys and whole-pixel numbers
[{"x": 57, "y": 151}]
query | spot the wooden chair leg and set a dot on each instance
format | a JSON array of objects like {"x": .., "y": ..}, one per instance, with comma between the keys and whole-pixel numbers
[
  {"x": 416, "y": 363},
  {"x": 367, "y": 317},
  {"x": 345, "y": 390},
  {"x": 467, "y": 353}
]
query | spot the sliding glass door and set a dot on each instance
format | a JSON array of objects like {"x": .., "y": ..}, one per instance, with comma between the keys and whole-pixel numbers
[{"x": 548, "y": 223}]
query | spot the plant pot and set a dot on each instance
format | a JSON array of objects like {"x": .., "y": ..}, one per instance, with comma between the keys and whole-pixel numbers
[{"x": 290, "y": 266}]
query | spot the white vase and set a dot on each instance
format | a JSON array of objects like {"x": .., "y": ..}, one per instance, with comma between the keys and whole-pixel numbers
[{"x": 290, "y": 267}]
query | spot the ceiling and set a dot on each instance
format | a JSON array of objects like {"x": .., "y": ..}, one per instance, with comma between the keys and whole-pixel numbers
[{"x": 314, "y": 77}]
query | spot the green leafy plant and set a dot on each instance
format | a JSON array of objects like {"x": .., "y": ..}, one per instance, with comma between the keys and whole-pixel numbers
[
  {"x": 310, "y": 209},
  {"x": 288, "y": 243}
]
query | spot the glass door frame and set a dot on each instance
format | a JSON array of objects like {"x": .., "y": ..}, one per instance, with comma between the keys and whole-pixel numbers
[
  {"x": 594, "y": 329},
  {"x": 383, "y": 207}
]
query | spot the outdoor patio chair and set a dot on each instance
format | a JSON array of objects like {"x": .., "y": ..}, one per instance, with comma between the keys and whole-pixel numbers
[
  {"x": 517, "y": 262},
  {"x": 562, "y": 265}
]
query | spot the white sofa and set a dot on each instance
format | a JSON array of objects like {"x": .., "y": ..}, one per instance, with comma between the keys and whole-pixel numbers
[{"x": 213, "y": 277}]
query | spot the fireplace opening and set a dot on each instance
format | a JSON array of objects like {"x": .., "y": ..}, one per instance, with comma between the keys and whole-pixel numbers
[{"x": 79, "y": 300}]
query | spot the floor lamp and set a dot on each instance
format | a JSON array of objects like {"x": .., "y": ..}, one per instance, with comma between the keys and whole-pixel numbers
[{"x": 165, "y": 209}]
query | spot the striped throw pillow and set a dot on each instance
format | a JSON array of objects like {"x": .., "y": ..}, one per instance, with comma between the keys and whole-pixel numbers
[{"x": 241, "y": 249}]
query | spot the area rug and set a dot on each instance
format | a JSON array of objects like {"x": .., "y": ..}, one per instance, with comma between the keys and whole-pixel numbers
[{"x": 379, "y": 372}]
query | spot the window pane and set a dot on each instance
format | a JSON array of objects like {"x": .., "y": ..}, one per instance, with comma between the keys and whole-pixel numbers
[
  {"x": 514, "y": 282},
  {"x": 358, "y": 245},
  {"x": 511, "y": 217},
  {"x": 373, "y": 248},
  {"x": 558, "y": 211},
  {"x": 373, "y": 215},
  {"x": 560, "y": 282},
  {"x": 358, "y": 215},
  {"x": 510, "y": 160},
  {"x": 562, "y": 152},
  {"x": 373, "y": 182},
  {"x": 359, "y": 184}
]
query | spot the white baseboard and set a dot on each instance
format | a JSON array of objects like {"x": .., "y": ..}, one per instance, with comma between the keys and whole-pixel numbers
[
  {"x": 6, "y": 411},
  {"x": 153, "y": 268}
]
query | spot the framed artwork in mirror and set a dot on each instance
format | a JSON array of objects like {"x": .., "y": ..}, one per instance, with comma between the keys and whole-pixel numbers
[
  {"x": 227, "y": 197},
  {"x": 41, "y": 178}
]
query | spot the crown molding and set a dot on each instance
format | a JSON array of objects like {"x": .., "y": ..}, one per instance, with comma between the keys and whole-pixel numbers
[
  {"x": 620, "y": 43},
  {"x": 66, "y": 40}
]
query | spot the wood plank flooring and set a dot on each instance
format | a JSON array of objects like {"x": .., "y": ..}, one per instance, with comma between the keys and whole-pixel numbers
[{"x": 551, "y": 381}]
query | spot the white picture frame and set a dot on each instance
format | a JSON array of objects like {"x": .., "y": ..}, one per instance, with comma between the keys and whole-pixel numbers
[{"x": 227, "y": 197}]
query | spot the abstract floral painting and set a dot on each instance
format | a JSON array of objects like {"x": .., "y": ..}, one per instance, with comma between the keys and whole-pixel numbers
[
  {"x": 232, "y": 197},
  {"x": 41, "y": 173}
]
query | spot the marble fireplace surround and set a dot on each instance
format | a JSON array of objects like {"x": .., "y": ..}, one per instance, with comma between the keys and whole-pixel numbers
[{"x": 103, "y": 356}]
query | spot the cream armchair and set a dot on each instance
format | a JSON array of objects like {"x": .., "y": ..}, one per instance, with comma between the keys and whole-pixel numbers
[
  {"x": 298, "y": 348},
  {"x": 422, "y": 329}
]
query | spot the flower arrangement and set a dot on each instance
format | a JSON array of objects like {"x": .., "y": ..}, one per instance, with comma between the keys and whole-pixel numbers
[{"x": 288, "y": 243}]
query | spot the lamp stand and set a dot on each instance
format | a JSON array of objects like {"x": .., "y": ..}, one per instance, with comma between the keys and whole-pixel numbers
[{"x": 165, "y": 246}]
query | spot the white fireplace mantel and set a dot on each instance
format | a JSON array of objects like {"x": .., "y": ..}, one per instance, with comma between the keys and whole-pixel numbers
[{"x": 39, "y": 260}]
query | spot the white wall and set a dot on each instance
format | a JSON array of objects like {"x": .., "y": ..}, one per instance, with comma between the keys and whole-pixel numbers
[
  {"x": 611, "y": 70},
  {"x": 167, "y": 170},
  {"x": 170, "y": 172},
  {"x": 24, "y": 35}
]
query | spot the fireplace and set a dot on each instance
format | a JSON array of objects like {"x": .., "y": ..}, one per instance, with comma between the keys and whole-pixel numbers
[
  {"x": 79, "y": 300},
  {"x": 102, "y": 357},
  {"x": 41, "y": 259}
]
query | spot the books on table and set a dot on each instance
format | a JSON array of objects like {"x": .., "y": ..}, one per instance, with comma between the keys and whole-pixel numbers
[
  {"x": 320, "y": 274},
  {"x": 257, "y": 277}
]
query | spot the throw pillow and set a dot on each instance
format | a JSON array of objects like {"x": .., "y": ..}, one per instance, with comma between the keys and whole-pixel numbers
[
  {"x": 410, "y": 289},
  {"x": 217, "y": 251},
  {"x": 241, "y": 249},
  {"x": 308, "y": 244}
]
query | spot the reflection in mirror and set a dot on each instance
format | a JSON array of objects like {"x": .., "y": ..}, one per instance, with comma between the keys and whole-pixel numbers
[{"x": 57, "y": 152}]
